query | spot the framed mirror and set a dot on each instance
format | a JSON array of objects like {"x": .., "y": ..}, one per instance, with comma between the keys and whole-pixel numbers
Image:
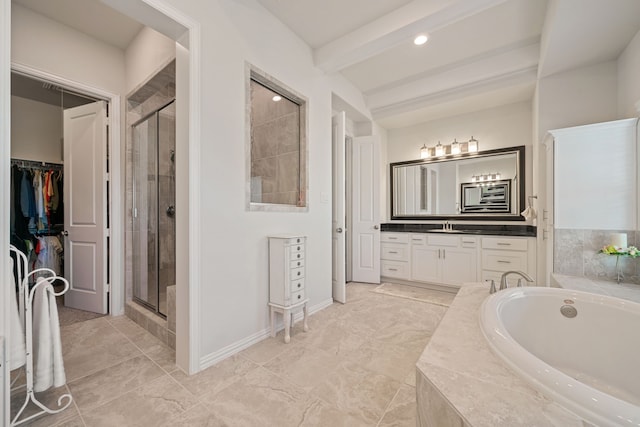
[{"x": 487, "y": 185}]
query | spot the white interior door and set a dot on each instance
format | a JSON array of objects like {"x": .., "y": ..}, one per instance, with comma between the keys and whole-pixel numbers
[
  {"x": 365, "y": 233},
  {"x": 85, "y": 163},
  {"x": 338, "y": 279}
]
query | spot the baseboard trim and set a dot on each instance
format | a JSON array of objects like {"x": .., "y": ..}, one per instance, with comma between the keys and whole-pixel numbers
[{"x": 236, "y": 347}]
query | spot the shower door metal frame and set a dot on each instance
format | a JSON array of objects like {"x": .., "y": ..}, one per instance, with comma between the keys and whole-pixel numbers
[{"x": 145, "y": 304}]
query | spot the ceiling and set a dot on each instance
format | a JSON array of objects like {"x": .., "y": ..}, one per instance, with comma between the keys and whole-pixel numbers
[{"x": 481, "y": 53}]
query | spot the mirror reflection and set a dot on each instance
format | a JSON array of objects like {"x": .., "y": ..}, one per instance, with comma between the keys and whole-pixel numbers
[{"x": 485, "y": 184}]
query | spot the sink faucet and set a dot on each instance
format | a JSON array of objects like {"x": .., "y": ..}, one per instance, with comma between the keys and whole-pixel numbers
[
  {"x": 503, "y": 278},
  {"x": 447, "y": 226}
]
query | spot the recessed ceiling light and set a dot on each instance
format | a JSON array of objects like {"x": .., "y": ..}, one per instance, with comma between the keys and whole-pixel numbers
[
  {"x": 276, "y": 98},
  {"x": 420, "y": 40}
]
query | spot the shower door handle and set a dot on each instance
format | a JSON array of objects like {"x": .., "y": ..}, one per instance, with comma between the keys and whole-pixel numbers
[{"x": 171, "y": 210}]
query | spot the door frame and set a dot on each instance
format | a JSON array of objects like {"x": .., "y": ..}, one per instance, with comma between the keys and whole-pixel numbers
[
  {"x": 115, "y": 202},
  {"x": 161, "y": 16}
]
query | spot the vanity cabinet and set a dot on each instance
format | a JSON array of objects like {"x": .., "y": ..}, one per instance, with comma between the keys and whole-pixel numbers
[
  {"x": 453, "y": 259},
  {"x": 501, "y": 254},
  {"x": 394, "y": 255},
  {"x": 287, "y": 279},
  {"x": 450, "y": 260}
]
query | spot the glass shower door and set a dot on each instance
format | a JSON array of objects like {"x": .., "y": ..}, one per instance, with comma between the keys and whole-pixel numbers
[{"x": 154, "y": 231}]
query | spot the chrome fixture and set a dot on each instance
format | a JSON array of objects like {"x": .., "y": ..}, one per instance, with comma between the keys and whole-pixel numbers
[
  {"x": 453, "y": 149},
  {"x": 492, "y": 289},
  {"x": 503, "y": 278},
  {"x": 424, "y": 152},
  {"x": 447, "y": 226}
]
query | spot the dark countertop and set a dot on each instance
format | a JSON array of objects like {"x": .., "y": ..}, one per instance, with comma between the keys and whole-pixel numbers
[{"x": 484, "y": 229}]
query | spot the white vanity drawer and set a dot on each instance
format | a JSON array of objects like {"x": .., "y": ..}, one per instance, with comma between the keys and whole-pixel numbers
[
  {"x": 468, "y": 242},
  {"x": 297, "y": 285},
  {"x": 394, "y": 237},
  {"x": 394, "y": 252},
  {"x": 297, "y": 273},
  {"x": 297, "y": 263},
  {"x": 504, "y": 243},
  {"x": 418, "y": 239},
  {"x": 439, "y": 240},
  {"x": 504, "y": 261},
  {"x": 397, "y": 269},
  {"x": 294, "y": 241}
]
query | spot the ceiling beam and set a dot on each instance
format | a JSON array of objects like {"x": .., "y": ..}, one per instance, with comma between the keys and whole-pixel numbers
[{"x": 397, "y": 27}]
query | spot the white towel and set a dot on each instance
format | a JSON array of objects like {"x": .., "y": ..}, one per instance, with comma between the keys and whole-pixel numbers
[
  {"x": 17, "y": 351},
  {"x": 47, "y": 346}
]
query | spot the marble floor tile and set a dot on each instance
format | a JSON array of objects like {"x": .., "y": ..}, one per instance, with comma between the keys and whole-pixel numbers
[
  {"x": 269, "y": 348},
  {"x": 260, "y": 398},
  {"x": 304, "y": 366},
  {"x": 361, "y": 393},
  {"x": 48, "y": 398},
  {"x": 91, "y": 346},
  {"x": 392, "y": 361},
  {"x": 198, "y": 416},
  {"x": 402, "y": 410},
  {"x": 110, "y": 383},
  {"x": 217, "y": 377},
  {"x": 321, "y": 414},
  {"x": 163, "y": 356},
  {"x": 149, "y": 405}
]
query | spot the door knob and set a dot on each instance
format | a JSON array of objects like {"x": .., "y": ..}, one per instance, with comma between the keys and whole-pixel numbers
[
  {"x": 171, "y": 210},
  {"x": 64, "y": 233},
  {"x": 338, "y": 230},
  {"x": 376, "y": 227}
]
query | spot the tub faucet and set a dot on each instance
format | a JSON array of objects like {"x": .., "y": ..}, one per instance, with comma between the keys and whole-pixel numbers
[{"x": 503, "y": 278}]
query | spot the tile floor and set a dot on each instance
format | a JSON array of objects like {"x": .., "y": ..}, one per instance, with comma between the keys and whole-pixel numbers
[{"x": 355, "y": 367}]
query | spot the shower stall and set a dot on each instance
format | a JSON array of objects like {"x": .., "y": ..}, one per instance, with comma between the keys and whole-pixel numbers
[{"x": 153, "y": 238}]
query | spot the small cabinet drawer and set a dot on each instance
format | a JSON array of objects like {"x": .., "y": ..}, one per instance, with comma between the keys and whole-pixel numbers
[
  {"x": 397, "y": 269},
  {"x": 297, "y": 273},
  {"x": 418, "y": 239},
  {"x": 504, "y": 261},
  {"x": 297, "y": 264},
  {"x": 297, "y": 296},
  {"x": 504, "y": 243},
  {"x": 394, "y": 252},
  {"x": 296, "y": 252},
  {"x": 294, "y": 241},
  {"x": 394, "y": 237},
  {"x": 297, "y": 285}
]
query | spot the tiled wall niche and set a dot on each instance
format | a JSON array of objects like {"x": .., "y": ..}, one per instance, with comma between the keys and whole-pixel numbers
[{"x": 576, "y": 253}]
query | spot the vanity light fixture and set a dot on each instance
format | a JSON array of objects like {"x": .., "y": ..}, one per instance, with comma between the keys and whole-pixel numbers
[
  {"x": 424, "y": 152},
  {"x": 420, "y": 39},
  {"x": 276, "y": 98},
  {"x": 455, "y": 147},
  {"x": 440, "y": 149},
  {"x": 472, "y": 145}
]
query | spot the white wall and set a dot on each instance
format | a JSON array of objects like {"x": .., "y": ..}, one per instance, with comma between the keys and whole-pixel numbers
[
  {"x": 578, "y": 97},
  {"x": 36, "y": 131},
  {"x": 145, "y": 55},
  {"x": 234, "y": 291},
  {"x": 500, "y": 127},
  {"x": 629, "y": 79},
  {"x": 55, "y": 48}
]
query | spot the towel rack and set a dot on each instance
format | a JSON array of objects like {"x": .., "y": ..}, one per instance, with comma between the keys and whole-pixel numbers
[{"x": 25, "y": 307}]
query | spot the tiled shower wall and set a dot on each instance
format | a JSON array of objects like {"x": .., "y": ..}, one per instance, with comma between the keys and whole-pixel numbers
[
  {"x": 576, "y": 254},
  {"x": 275, "y": 148}
]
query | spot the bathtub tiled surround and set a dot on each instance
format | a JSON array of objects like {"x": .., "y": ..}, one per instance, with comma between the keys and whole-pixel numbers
[
  {"x": 460, "y": 382},
  {"x": 576, "y": 254},
  {"x": 628, "y": 291}
]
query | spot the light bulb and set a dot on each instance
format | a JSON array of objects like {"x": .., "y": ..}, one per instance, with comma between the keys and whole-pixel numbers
[
  {"x": 455, "y": 147},
  {"x": 473, "y": 145},
  {"x": 424, "y": 152},
  {"x": 439, "y": 149},
  {"x": 420, "y": 39}
]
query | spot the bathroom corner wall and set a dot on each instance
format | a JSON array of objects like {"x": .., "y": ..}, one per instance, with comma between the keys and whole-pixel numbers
[{"x": 576, "y": 254}]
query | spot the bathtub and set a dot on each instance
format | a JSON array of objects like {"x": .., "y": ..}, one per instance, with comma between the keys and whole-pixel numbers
[{"x": 580, "y": 349}]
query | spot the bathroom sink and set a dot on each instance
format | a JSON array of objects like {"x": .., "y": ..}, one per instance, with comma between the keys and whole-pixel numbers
[{"x": 440, "y": 230}]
